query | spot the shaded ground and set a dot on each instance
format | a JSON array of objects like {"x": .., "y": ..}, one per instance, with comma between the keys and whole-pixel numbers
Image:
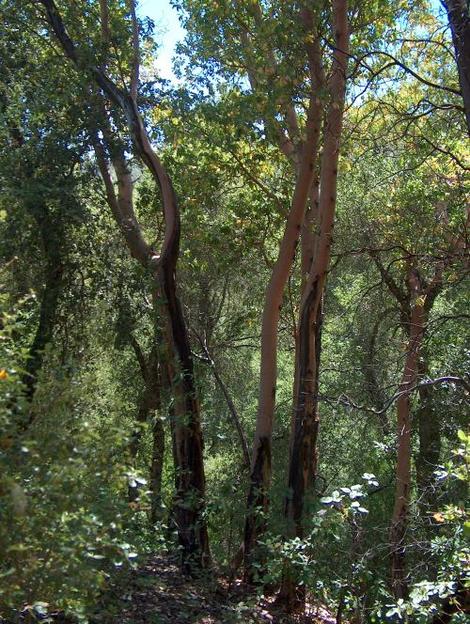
[{"x": 157, "y": 593}]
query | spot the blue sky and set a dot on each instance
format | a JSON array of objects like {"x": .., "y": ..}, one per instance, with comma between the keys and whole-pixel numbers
[{"x": 169, "y": 31}]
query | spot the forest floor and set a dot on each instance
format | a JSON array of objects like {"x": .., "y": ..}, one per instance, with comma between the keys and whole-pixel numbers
[{"x": 157, "y": 593}]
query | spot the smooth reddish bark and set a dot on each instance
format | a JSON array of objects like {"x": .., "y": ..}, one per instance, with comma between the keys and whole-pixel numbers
[{"x": 302, "y": 464}]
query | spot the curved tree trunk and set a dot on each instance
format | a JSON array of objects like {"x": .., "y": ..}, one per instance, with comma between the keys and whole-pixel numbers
[
  {"x": 302, "y": 152},
  {"x": 188, "y": 443}
]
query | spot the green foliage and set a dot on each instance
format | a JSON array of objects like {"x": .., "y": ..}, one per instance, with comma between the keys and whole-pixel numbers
[{"x": 68, "y": 522}]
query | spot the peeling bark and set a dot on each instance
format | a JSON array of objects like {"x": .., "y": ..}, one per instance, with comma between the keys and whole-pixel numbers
[
  {"x": 258, "y": 505},
  {"x": 260, "y": 477},
  {"x": 302, "y": 463}
]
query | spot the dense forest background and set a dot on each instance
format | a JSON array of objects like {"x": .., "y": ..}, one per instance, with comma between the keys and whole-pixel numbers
[{"x": 234, "y": 306}]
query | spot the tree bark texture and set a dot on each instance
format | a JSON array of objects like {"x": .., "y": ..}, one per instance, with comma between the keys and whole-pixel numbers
[
  {"x": 459, "y": 20},
  {"x": 261, "y": 463},
  {"x": 302, "y": 463}
]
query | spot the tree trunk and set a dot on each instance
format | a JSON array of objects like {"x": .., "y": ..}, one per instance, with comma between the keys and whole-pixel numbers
[
  {"x": 150, "y": 402},
  {"x": 260, "y": 477},
  {"x": 306, "y": 422},
  {"x": 302, "y": 152},
  {"x": 459, "y": 20},
  {"x": 373, "y": 388},
  {"x": 143, "y": 414},
  {"x": 403, "y": 468},
  {"x": 162, "y": 266},
  {"x": 53, "y": 284},
  {"x": 309, "y": 245},
  {"x": 187, "y": 434},
  {"x": 232, "y": 409}
]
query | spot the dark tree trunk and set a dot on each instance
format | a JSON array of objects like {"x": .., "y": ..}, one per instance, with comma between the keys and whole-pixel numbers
[
  {"x": 459, "y": 20},
  {"x": 187, "y": 434},
  {"x": 303, "y": 452},
  {"x": 306, "y": 421},
  {"x": 51, "y": 236},
  {"x": 258, "y": 505},
  {"x": 302, "y": 466},
  {"x": 150, "y": 402},
  {"x": 369, "y": 368}
]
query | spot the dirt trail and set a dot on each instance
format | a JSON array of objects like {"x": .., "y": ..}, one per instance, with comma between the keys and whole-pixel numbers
[{"x": 157, "y": 593}]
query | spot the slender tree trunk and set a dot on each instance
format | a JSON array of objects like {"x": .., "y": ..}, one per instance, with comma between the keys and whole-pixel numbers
[
  {"x": 309, "y": 245},
  {"x": 187, "y": 434},
  {"x": 142, "y": 416},
  {"x": 150, "y": 402},
  {"x": 257, "y": 503},
  {"x": 374, "y": 390},
  {"x": 399, "y": 522},
  {"x": 302, "y": 152},
  {"x": 51, "y": 234},
  {"x": 232, "y": 409},
  {"x": 306, "y": 422},
  {"x": 53, "y": 285},
  {"x": 459, "y": 20}
]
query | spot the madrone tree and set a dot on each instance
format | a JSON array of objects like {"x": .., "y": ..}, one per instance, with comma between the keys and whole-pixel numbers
[{"x": 108, "y": 101}]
